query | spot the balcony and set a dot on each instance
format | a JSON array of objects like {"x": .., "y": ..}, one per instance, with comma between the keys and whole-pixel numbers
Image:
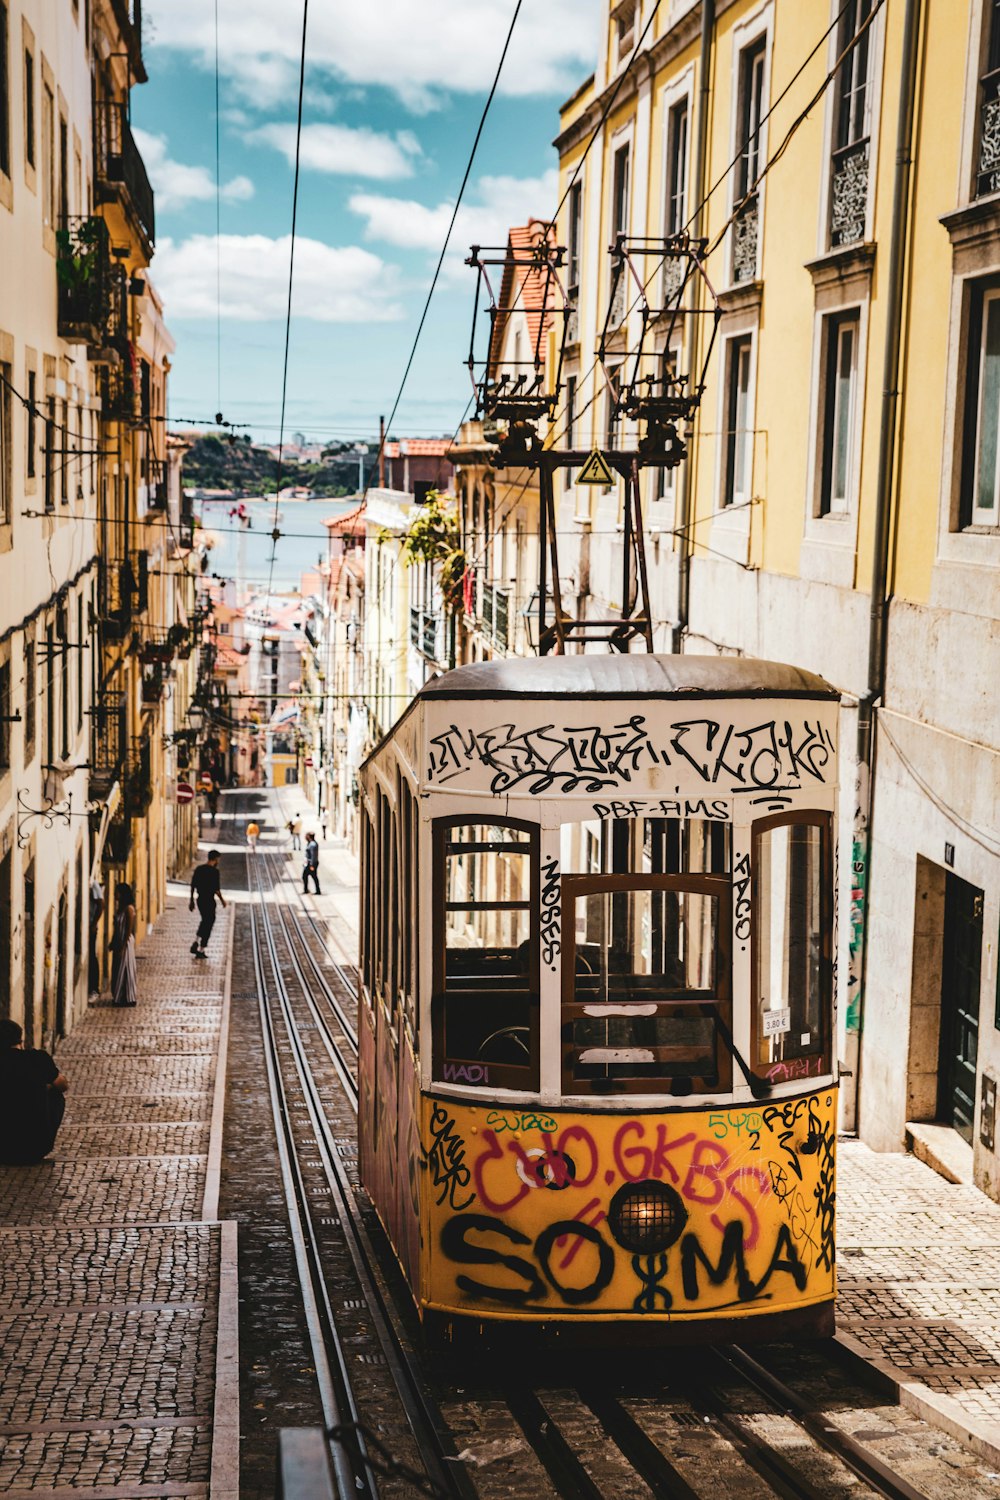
[
  {"x": 988, "y": 172},
  {"x": 495, "y": 607},
  {"x": 745, "y": 234},
  {"x": 849, "y": 194},
  {"x": 119, "y": 401},
  {"x": 118, "y": 843},
  {"x": 121, "y": 172},
  {"x": 424, "y": 632},
  {"x": 107, "y": 743},
  {"x": 138, "y": 786},
  {"x": 117, "y": 585},
  {"x": 86, "y": 282}
]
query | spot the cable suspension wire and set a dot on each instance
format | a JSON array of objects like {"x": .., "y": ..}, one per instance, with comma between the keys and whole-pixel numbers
[
  {"x": 218, "y": 225},
  {"x": 447, "y": 238},
  {"x": 291, "y": 275}
]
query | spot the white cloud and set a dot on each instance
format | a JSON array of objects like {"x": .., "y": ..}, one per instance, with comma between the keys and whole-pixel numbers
[
  {"x": 343, "y": 150},
  {"x": 333, "y": 284},
  {"x": 177, "y": 185},
  {"x": 418, "y": 51},
  {"x": 500, "y": 203}
]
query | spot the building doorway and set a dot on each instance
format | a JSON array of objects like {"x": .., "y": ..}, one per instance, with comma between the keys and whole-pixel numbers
[{"x": 960, "y": 974}]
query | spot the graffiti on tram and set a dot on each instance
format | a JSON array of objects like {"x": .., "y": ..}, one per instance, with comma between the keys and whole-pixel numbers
[
  {"x": 772, "y": 756},
  {"x": 672, "y": 1214}
]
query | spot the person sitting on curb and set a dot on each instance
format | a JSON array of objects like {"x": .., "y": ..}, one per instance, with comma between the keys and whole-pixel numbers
[
  {"x": 206, "y": 885},
  {"x": 32, "y": 1102}
]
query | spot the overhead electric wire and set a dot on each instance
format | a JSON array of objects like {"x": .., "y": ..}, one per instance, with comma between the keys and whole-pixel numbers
[
  {"x": 291, "y": 272},
  {"x": 447, "y": 238},
  {"x": 218, "y": 225}
]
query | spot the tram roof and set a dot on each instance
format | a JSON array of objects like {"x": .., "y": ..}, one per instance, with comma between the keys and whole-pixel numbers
[{"x": 628, "y": 676}]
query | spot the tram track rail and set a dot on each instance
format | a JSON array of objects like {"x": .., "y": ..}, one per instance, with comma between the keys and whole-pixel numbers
[
  {"x": 341, "y": 1407},
  {"x": 305, "y": 1026}
]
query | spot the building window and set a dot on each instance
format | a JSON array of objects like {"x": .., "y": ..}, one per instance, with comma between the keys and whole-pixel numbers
[
  {"x": 29, "y": 107},
  {"x": 30, "y": 688},
  {"x": 664, "y": 478},
  {"x": 677, "y": 159},
  {"x": 5, "y": 726},
  {"x": 619, "y": 225},
  {"x": 80, "y": 664},
  {"x": 63, "y": 170},
  {"x": 736, "y": 481},
  {"x": 750, "y": 146},
  {"x": 50, "y": 447},
  {"x": 48, "y": 156},
  {"x": 573, "y": 262},
  {"x": 852, "y": 126},
  {"x": 4, "y": 90},
  {"x": 981, "y": 455},
  {"x": 50, "y": 697},
  {"x": 31, "y": 437},
  {"x": 839, "y": 408},
  {"x": 571, "y": 381},
  {"x": 988, "y": 171},
  {"x": 6, "y": 444},
  {"x": 624, "y": 29},
  {"x": 63, "y": 448},
  {"x": 611, "y": 417}
]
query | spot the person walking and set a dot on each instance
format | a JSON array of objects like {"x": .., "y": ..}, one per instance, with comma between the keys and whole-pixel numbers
[
  {"x": 32, "y": 1099},
  {"x": 206, "y": 886},
  {"x": 124, "y": 987},
  {"x": 213, "y": 802},
  {"x": 253, "y": 834},
  {"x": 311, "y": 866},
  {"x": 296, "y": 828}
]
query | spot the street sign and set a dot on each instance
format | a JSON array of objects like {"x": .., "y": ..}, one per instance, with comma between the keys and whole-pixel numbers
[
  {"x": 596, "y": 470},
  {"x": 309, "y": 760},
  {"x": 185, "y": 792}
]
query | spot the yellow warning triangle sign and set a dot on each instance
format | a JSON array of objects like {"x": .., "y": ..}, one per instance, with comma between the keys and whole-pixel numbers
[{"x": 596, "y": 470}]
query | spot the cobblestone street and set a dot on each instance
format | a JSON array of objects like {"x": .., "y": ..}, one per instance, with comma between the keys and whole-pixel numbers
[{"x": 116, "y": 1280}]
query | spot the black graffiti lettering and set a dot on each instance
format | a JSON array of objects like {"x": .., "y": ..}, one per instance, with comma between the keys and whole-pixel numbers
[
  {"x": 811, "y": 754},
  {"x": 685, "y": 741},
  {"x": 732, "y": 1261},
  {"x": 455, "y": 1245},
  {"x": 760, "y": 751},
  {"x": 549, "y": 926},
  {"x": 742, "y": 903},
  {"x": 446, "y": 1160},
  {"x": 574, "y": 1296}
]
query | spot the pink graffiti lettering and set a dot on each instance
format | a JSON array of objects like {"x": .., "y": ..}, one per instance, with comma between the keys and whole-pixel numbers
[
  {"x": 796, "y": 1067},
  {"x": 638, "y": 1161},
  {"x": 710, "y": 1170},
  {"x": 494, "y": 1152},
  {"x": 576, "y": 1240}
]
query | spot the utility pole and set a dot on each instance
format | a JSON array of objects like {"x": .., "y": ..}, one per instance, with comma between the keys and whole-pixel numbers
[{"x": 381, "y": 453}]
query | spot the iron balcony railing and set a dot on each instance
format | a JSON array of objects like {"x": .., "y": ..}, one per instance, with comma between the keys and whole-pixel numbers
[
  {"x": 745, "y": 233},
  {"x": 424, "y": 632},
  {"x": 119, "y": 400},
  {"x": 849, "y": 193},
  {"x": 139, "y": 780},
  {"x": 86, "y": 282},
  {"x": 988, "y": 172},
  {"x": 495, "y": 615},
  {"x": 118, "y": 843},
  {"x": 116, "y": 584},
  {"x": 107, "y": 742},
  {"x": 121, "y": 172}
]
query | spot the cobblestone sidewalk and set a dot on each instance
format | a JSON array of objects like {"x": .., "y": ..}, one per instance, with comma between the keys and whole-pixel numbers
[
  {"x": 918, "y": 1279},
  {"x": 112, "y": 1267}
]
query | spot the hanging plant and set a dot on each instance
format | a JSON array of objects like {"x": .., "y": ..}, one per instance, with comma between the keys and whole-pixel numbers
[{"x": 434, "y": 536}]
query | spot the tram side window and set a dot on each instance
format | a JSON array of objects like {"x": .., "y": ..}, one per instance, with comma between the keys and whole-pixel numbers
[
  {"x": 643, "y": 982},
  {"x": 791, "y": 947},
  {"x": 486, "y": 956}
]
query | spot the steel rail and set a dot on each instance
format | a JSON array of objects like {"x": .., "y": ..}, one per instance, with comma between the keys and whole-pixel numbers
[
  {"x": 867, "y": 1465},
  {"x": 335, "y": 1390},
  {"x": 429, "y": 1431},
  {"x": 343, "y": 1020}
]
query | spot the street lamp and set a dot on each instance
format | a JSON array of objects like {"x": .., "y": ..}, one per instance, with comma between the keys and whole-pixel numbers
[{"x": 196, "y": 716}]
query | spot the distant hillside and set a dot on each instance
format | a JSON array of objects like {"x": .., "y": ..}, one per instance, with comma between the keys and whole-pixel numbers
[{"x": 215, "y": 463}]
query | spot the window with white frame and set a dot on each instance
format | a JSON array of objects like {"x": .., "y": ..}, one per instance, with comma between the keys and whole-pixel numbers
[
  {"x": 988, "y": 162},
  {"x": 840, "y": 387},
  {"x": 574, "y": 249},
  {"x": 981, "y": 452},
  {"x": 677, "y": 167},
  {"x": 851, "y": 125},
  {"x": 6, "y": 444},
  {"x": 5, "y": 91},
  {"x": 750, "y": 148},
  {"x": 738, "y": 437},
  {"x": 619, "y": 224},
  {"x": 624, "y": 29},
  {"x": 612, "y": 421},
  {"x": 664, "y": 479}
]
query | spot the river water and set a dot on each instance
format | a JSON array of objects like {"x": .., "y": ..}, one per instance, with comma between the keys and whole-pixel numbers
[{"x": 244, "y": 552}]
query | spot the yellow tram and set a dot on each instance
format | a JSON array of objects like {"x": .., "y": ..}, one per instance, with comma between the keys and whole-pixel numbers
[{"x": 597, "y": 1065}]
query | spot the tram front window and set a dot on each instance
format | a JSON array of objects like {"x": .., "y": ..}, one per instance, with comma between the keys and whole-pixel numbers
[
  {"x": 791, "y": 948},
  {"x": 643, "y": 984},
  {"x": 486, "y": 985}
]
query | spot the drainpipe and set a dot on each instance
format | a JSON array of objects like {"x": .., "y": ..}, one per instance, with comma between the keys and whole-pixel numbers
[
  {"x": 880, "y": 589},
  {"x": 684, "y": 507}
]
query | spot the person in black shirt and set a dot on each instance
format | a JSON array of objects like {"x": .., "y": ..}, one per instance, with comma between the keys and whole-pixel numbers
[
  {"x": 310, "y": 869},
  {"x": 31, "y": 1099},
  {"x": 205, "y": 887}
]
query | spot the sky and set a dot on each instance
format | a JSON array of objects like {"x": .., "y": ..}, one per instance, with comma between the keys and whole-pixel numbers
[{"x": 393, "y": 94}]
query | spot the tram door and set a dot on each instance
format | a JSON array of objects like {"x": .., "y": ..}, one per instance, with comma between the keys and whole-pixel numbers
[{"x": 963, "y": 946}]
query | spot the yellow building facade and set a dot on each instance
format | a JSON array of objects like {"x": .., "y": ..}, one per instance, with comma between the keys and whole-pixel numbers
[{"x": 839, "y": 504}]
